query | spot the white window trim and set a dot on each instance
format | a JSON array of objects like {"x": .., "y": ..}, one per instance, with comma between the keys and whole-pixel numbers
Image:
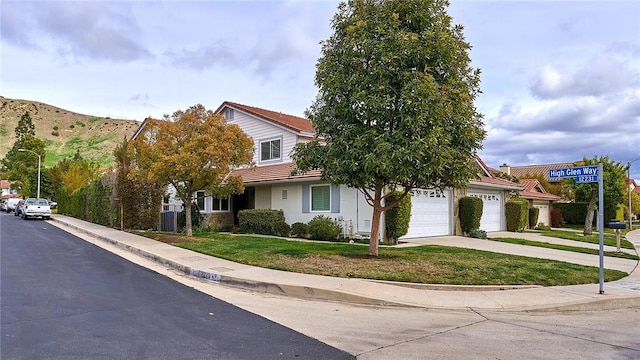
[
  {"x": 278, "y": 159},
  {"x": 213, "y": 199},
  {"x": 311, "y": 198}
]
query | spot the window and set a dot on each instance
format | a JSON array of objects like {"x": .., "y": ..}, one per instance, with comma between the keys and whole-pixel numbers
[
  {"x": 321, "y": 198},
  {"x": 200, "y": 200},
  {"x": 228, "y": 114},
  {"x": 220, "y": 204},
  {"x": 270, "y": 150}
]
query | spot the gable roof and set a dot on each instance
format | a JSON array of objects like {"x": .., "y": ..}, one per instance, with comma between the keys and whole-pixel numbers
[
  {"x": 294, "y": 123},
  {"x": 143, "y": 125},
  {"x": 534, "y": 170},
  {"x": 534, "y": 190},
  {"x": 486, "y": 178}
]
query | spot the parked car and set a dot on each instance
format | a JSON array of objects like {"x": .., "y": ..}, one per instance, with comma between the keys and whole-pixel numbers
[
  {"x": 36, "y": 208},
  {"x": 3, "y": 205},
  {"x": 19, "y": 207},
  {"x": 53, "y": 204},
  {"x": 11, "y": 204}
]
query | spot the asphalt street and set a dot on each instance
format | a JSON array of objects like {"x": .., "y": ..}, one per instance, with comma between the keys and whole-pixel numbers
[{"x": 64, "y": 298}]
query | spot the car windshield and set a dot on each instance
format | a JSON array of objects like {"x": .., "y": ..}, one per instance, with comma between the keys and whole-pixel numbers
[{"x": 39, "y": 202}]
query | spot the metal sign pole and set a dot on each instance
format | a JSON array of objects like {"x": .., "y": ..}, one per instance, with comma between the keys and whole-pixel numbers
[{"x": 601, "y": 226}]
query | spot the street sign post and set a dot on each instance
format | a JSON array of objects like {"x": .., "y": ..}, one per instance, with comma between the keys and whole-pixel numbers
[{"x": 588, "y": 174}]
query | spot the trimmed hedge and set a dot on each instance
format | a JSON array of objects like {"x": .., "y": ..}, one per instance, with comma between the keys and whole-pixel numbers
[
  {"x": 470, "y": 213},
  {"x": 323, "y": 228},
  {"x": 534, "y": 213},
  {"x": 397, "y": 218},
  {"x": 300, "y": 230},
  {"x": 259, "y": 221},
  {"x": 517, "y": 212}
]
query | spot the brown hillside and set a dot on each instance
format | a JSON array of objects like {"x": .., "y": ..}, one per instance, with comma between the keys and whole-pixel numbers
[{"x": 64, "y": 132}]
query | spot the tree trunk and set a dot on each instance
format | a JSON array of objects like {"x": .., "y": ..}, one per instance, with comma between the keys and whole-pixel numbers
[
  {"x": 187, "y": 212},
  {"x": 375, "y": 223},
  {"x": 588, "y": 221}
]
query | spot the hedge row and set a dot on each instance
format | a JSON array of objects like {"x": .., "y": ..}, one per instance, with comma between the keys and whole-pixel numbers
[
  {"x": 517, "y": 213},
  {"x": 470, "y": 213},
  {"x": 397, "y": 218}
]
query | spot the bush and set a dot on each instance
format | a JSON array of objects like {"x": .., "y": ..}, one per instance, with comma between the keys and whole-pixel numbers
[
  {"x": 470, "y": 213},
  {"x": 543, "y": 227},
  {"x": 397, "y": 218},
  {"x": 574, "y": 213},
  {"x": 281, "y": 228},
  {"x": 516, "y": 211},
  {"x": 300, "y": 230},
  {"x": 478, "y": 234},
  {"x": 556, "y": 217},
  {"x": 533, "y": 217},
  {"x": 259, "y": 221},
  {"x": 196, "y": 218},
  {"x": 323, "y": 228}
]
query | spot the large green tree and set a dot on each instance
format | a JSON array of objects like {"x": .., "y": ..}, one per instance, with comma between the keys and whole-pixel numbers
[
  {"x": 193, "y": 150},
  {"x": 22, "y": 166},
  {"x": 613, "y": 186},
  {"x": 395, "y": 107}
]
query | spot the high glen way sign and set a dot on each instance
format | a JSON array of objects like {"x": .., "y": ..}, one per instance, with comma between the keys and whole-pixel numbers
[{"x": 582, "y": 174}]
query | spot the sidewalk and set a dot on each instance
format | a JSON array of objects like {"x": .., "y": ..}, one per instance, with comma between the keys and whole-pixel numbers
[{"x": 622, "y": 293}]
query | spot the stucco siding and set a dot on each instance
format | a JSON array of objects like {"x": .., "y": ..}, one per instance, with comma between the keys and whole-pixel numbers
[{"x": 263, "y": 197}]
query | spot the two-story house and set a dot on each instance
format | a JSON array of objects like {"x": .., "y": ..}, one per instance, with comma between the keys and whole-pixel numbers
[{"x": 269, "y": 185}]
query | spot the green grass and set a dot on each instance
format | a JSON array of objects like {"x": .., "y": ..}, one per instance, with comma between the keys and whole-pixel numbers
[
  {"x": 566, "y": 248},
  {"x": 423, "y": 264},
  {"x": 609, "y": 239}
]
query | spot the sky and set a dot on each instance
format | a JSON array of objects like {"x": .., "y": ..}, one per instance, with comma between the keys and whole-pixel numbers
[{"x": 560, "y": 79}]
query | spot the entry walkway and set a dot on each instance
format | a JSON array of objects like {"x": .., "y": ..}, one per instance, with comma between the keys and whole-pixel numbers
[{"x": 625, "y": 292}]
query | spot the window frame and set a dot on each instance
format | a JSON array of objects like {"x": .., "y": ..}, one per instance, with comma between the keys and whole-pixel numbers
[
  {"x": 220, "y": 202},
  {"x": 311, "y": 187},
  {"x": 271, "y": 159}
]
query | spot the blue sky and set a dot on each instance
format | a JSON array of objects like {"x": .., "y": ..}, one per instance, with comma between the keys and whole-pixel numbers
[{"x": 560, "y": 79}]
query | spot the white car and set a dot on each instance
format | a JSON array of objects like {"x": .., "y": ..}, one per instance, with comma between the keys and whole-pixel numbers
[
  {"x": 34, "y": 208},
  {"x": 11, "y": 204}
]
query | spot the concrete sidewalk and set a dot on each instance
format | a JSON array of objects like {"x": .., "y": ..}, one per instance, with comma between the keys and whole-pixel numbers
[{"x": 622, "y": 293}]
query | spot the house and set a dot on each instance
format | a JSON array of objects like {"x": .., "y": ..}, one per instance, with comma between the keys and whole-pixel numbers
[
  {"x": 538, "y": 198},
  {"x": 270, "y": 185},
  {"x": 5, "y": 189},
  {"x": 531, "y": 171}
]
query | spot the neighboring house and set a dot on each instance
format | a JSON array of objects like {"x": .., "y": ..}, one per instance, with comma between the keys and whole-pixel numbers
[
  {"x": 269, "y": 185},
  {"x": 6, "y": 191},
  {"x": 531, "y": 171},
  {"x": 538, "y": 198}
]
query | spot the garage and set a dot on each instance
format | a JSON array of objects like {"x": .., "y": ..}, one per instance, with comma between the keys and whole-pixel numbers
[
  {"x": 492, "y": 208},
  {"x": 543, "y": 216},
  {"x": 430, "y": 213}
]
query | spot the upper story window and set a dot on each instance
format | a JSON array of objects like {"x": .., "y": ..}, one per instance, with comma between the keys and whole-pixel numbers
[
  {"x": 271, "y": 150},
  {"x": 228, "y": 114}
]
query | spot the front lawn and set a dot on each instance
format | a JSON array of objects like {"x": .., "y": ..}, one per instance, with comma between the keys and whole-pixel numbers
[
  {"x": 577, "y": 249},
  {"x": 609, "y": 239},
  {"x": 423, "y": 264}
]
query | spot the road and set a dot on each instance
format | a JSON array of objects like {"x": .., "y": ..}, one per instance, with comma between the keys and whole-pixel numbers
[{"x": 64, "y": 298}]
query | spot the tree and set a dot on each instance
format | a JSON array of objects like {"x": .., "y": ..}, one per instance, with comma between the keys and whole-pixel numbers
[
  {"x": 613, "y": 186},
  {"x": 73, "y": 174},
  {"x": 21, "y": 166},
  {"x": 193, "y": 150},
  {"x": 395, "y": 104}
]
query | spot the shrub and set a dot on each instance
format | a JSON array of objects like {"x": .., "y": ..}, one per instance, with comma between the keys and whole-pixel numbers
[
  {"x": 55, "y": 133},
  {"x": 556, "y": 217},
  {"x": 516, "y": 211},
  {"x": 533, "y": 217},
  {"x": 259, "y": 221},
  {"x": 323, "y": 228},
  {"x": 574, "y": 213},
  {"x": 397, "y": 218},
  {"x": 478, "y": 234},
  {"x": 281, "y": 228},
  {"x": 470, "y": 213},
  {"x": 543, "y": 227},
  {"x": 300, "y": 230},
  {"x": 196, "y": 218}
]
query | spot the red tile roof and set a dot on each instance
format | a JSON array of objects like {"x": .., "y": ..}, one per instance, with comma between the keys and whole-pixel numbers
[
  {"x": 5, "y": 184},
  {"x": 495, "y": 182},
  {"x": 534, "y": 190},
  {"x": 289, "y": 121},
  {"x": 534, "y": 170},
  {"x": 272, "y": 173}
]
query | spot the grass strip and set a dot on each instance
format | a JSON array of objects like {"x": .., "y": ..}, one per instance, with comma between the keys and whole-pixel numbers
[
  {"x": 422, "y": 264},
  {"x": 576, "y": 249},
  {"x": 609, "y": 240}
]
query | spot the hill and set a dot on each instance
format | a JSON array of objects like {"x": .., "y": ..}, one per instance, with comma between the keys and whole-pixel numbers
[{"x": 64, "y": 132}]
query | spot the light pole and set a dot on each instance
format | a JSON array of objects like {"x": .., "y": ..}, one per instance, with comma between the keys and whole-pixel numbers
[
  {"x": 39, "y": 159},
  {"x": 629, "y": 191}
]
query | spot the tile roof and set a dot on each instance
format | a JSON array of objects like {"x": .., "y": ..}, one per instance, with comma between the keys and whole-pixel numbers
[
  {"x": 495, "y": 182},
  {"x": 534, "y": 190},
  {"x": 289, "y": 121},
  {"x": 534, "y": 170},
  {"x": 5, "y": 184},
  {"x": 272, "y": 173}
]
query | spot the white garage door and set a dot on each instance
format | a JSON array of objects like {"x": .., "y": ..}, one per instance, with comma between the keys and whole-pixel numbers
[
  {"x": 492, "y": 205},
  {"x": 430, "y": 213},
  {"x": 543, "y": 217}
]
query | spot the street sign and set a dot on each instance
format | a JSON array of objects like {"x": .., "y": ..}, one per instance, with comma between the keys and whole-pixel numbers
[{"x": 581, "y": 174}]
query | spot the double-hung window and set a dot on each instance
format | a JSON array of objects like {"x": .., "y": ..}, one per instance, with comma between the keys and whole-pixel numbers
[
  {"x": 271, "y": 150},
  {"x": 220, "y": 204}
]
